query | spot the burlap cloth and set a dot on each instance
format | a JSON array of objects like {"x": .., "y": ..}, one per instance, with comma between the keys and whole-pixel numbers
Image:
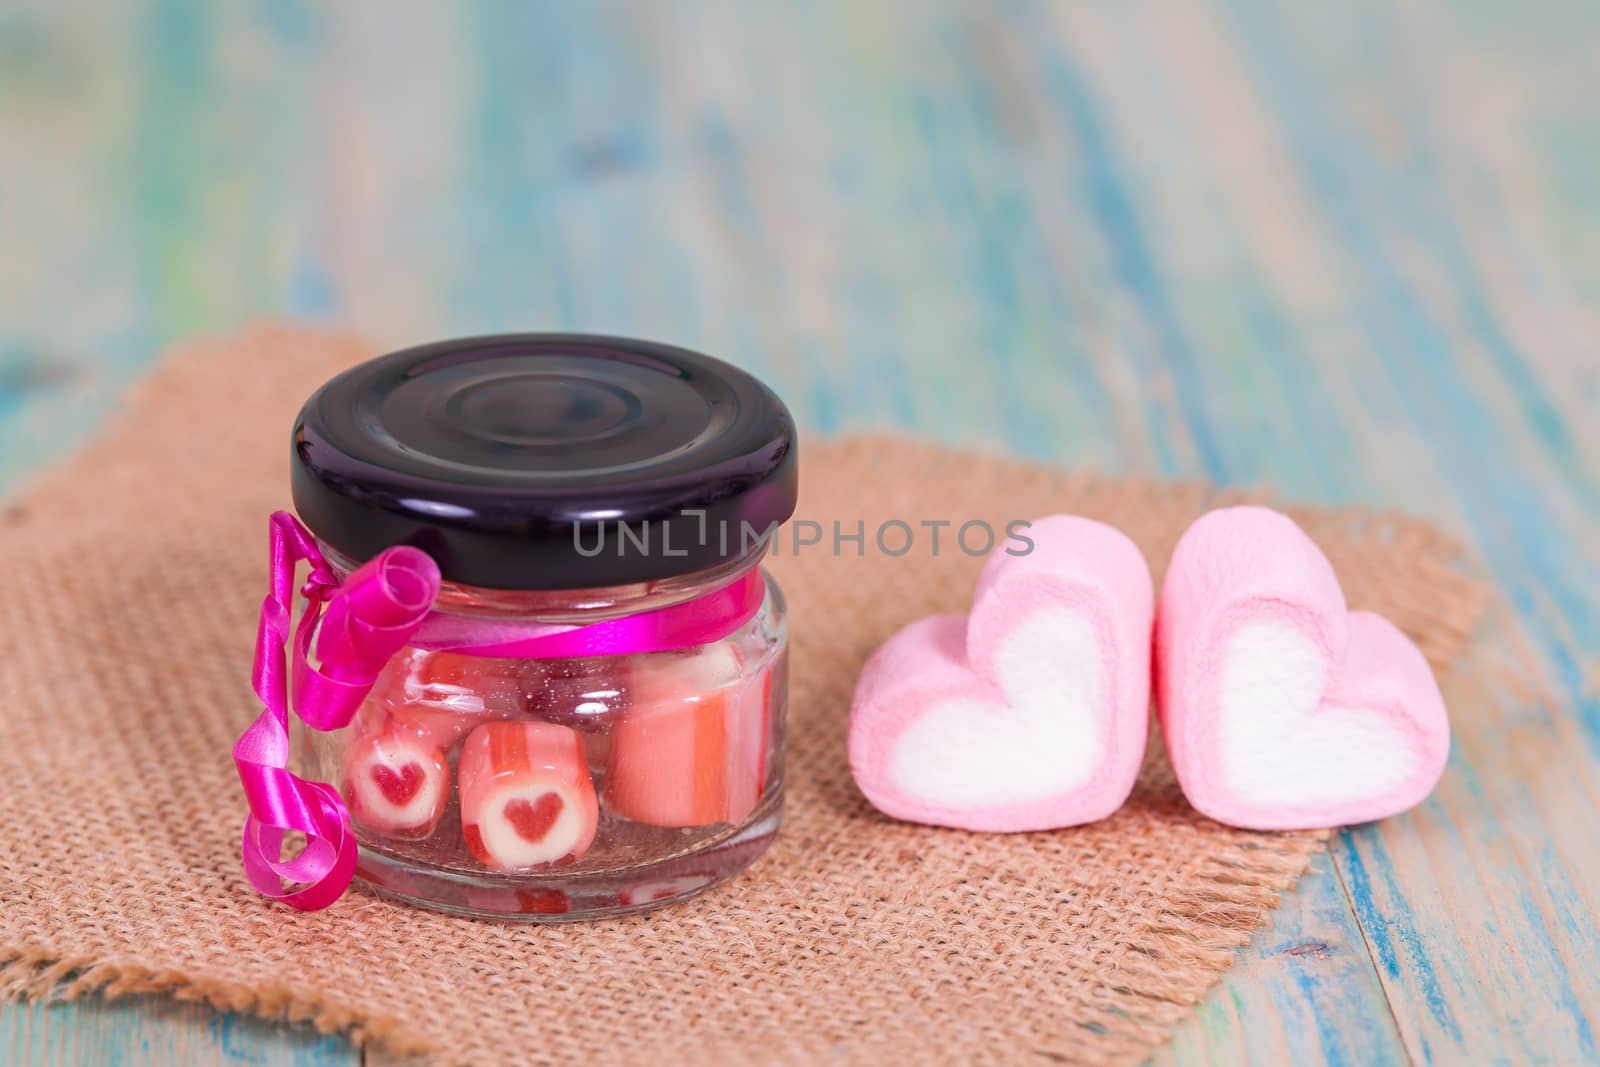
[{"x": 132, "y": 577}]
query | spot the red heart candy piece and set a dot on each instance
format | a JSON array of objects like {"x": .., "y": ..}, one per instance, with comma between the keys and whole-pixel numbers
[
  {"x": 399, "y": 787},
  {"x": 533, "y": 819}
]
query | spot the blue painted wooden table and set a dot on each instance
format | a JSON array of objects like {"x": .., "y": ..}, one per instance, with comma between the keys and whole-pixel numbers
[{"x": 1350, "y": 251}]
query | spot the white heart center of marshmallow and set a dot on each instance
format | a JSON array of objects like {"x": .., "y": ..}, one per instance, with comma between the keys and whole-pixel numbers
[
  {"x": 1276, "y": 746},
  {"x": 968, "y": 753}
]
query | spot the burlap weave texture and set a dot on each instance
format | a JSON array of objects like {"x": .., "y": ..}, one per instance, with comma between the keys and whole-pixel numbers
[{"x": 133, "y": 574}]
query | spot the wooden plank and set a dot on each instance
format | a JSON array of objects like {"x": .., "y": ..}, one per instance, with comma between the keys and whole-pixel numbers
[
  {"x": 136, "y": 158},
  {"x": 1304, "y": 991},
  {"x": 1288, "y": 1000},
  {"x": 1507, "y": 973},
  {"x": 157, "y": 1032}
]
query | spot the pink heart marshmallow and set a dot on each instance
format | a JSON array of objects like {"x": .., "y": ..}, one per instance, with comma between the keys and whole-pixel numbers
[
  {"x": 1282, "y": 709},
  {"x": 1028, "y": 714}
]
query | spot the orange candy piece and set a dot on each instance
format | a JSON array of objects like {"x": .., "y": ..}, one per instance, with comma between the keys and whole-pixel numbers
[
  {"x": 449, "y": 681},
  {"x": 691, "y": 749}
]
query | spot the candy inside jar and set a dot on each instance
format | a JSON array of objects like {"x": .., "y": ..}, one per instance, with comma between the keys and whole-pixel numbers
[
  {"x": 607, "y": 782},
  {"x": 564, "y": 697}
]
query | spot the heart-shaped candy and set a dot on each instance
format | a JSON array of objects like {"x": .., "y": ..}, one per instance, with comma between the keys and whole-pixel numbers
[
  {"x": 1282, "y": 709},
  {"x": 399, "y": 787},
  {"x": 1031, "y": 712}
]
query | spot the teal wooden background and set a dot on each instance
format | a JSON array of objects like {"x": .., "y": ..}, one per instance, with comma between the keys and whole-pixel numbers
[{"x": 1348, "y": 250}]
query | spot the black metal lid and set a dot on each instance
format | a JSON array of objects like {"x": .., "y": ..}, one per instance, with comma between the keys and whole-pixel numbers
[{"x": 510, "y": 458}]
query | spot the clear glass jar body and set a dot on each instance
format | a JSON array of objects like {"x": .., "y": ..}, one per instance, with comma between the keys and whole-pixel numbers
[{"x": 563, "y": 789}]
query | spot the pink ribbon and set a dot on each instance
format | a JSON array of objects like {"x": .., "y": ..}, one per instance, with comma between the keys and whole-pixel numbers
[{"x": 380, "y": 608}]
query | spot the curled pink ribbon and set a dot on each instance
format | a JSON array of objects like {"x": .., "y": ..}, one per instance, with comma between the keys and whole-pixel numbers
[{"x": 381, "y": 607}]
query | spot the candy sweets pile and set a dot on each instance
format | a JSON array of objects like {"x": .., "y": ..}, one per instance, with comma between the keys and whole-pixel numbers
[{"x": 518, "y": 765}]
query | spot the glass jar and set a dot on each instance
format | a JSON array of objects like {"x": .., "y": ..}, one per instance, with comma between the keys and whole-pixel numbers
[{"x": 556, "y": 740}]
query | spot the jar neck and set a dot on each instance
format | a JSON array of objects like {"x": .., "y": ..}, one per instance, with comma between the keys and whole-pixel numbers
[{"x": 571, "y": 606}]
